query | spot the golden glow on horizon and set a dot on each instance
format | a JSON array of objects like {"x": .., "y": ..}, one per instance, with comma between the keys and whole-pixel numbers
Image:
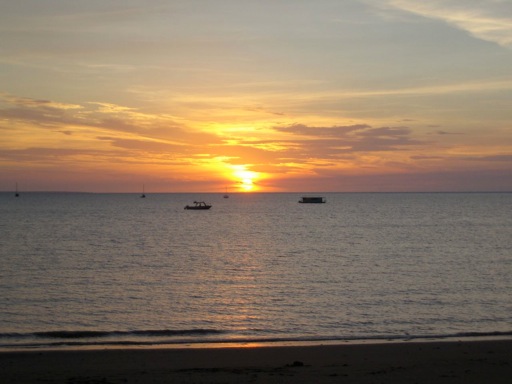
[{"x": 245, "y": 178}]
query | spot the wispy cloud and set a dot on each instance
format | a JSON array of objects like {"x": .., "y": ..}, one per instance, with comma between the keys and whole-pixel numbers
[
  {"x": 35, "y": 103},
  {"x": 336, "y": 142},
  {"x": 489, "y": 20},
  {"x": 100, "y": 119},
  {"x": 499, "y": 158},
  {"x": 93, "y": 133}
]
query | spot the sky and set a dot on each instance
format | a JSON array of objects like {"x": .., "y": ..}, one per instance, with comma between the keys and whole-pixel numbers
[{"x": 248, "y": 96}]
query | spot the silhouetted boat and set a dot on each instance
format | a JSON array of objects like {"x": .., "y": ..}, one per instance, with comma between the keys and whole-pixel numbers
[
  {"x": 312, "y": 200},
  {"x": 198, "y": 205},
  {"x": 143, "y": 194},
  {"x": 16, "y": 194}
]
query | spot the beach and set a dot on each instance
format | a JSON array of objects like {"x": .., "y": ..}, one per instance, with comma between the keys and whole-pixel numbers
[{"x": 483, "y": 361}]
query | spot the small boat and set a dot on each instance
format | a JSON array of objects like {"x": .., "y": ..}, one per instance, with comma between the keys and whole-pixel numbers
[
  {"x": 226, "y": 196},
  {"x": 16, "y": 194},
  {"x": 198, "y": 205},
  {"x": 143, "y": 194},
  {"x": 312, "y": 200}
]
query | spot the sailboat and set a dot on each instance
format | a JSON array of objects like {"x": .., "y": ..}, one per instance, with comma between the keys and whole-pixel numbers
[
  {"x": 16, "y": 194},
  {"x": 143, "y": 194},
  {"x": 226, "y": 196}
]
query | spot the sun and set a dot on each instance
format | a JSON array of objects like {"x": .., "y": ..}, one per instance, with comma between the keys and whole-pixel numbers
[
  {"x": 245, "y": 177},
  {"x": 247, "y": 185}
]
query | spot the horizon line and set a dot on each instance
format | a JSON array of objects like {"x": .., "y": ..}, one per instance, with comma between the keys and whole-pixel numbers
[{"x": 248, "y": 193}]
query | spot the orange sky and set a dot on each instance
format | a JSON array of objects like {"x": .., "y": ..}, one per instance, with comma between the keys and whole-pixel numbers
[{"x": 269, "y": 96}]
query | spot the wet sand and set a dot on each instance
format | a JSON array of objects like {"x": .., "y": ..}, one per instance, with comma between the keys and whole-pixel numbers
[{"x": 405, "y": 362}]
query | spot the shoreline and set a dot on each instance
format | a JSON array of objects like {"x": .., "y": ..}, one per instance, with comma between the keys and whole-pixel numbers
[
  {"x": 440, "y": 361},
  {"x": 248, "y": 343}
]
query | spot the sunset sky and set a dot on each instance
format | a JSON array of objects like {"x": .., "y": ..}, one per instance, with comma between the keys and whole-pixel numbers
[{"x": 256, "y": 95}]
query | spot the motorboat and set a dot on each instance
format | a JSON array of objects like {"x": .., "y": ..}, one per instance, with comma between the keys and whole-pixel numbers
[{"x": 198, "y": 205}]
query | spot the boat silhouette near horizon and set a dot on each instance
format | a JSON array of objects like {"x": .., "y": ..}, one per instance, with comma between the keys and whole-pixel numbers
[
  {"x": 198, "y": 205},
  {"x": 312, "y": 200}
]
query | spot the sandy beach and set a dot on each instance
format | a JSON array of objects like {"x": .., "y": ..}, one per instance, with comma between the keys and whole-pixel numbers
[{"x": 405, "y": 362}]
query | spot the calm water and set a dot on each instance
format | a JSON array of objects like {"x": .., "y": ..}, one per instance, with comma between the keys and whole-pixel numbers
[{"x": 95, "y": 269}]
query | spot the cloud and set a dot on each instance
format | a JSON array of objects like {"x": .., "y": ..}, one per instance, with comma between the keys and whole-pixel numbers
[
  {"x": 385, "y": 139},
  {"x": 253, "y": 152},
  {"x": 147, "y": 146},
  {"x": 95, "y": 135},
  {"x": 37, "y": 111},
  {"x": 501, "y": 158},
  {"x": 448, "y": 133},
  {"x": 427, "y": 157},
  {"x": 307, "y": 149},
  {"x": 36, "y": 103},
  {"x": 489, "y": 20},
  {"x": 325, "y": 142},
  {"x": 337, "y": 131},
  {"x": 264, "y": 110},
  {"x": 498, "y": 158},
  {"x": 101, "y": 117},
  {"x": 39, "y": 155}
]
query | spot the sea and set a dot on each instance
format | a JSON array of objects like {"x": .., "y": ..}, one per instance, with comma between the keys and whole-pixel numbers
[{"x": 89, "y": 270}]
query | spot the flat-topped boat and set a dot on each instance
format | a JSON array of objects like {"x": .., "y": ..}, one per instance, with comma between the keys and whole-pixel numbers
[{"x": 312, "y": 200}]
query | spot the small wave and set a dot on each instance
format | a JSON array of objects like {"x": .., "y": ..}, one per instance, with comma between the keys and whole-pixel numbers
[
  {"x": 482, "y": 334},
  {"x": 57, "y": 339},
  {"x": 82, "y": 334}
]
